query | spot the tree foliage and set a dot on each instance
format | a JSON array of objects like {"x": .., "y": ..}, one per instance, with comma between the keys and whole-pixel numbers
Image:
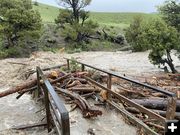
[
  {"x": 20, "y": 21},
  {"x": 76, "y": 6},
  {"x": 163, "y": 39},
  {"x": 135, "y": 34},
  {"x": 171, "y": 13},
  {"x": 157, "y": 36},
  {"x": 74, "y": 20}
]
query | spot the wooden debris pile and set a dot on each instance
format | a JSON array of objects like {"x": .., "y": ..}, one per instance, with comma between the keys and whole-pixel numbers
[
  {"x": 155, "y": 101},
  {"x": 71, "y": 86},
  {"x": 76, "y": 89}
]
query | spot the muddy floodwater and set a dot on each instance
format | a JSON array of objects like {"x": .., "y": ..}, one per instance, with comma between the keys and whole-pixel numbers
[{"x": 15, "y": 112}]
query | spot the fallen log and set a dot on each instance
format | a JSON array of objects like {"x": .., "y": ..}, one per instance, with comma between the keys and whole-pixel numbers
[
  {"x": 84, "y": 89},
  {"x": 155, "y": 125},
  {"x": 20, "y": 87},
  {"x": 25, "y": 85},
  {"x": 21, "y": 93},
  {"x": 83, "y": 81},
  {"x": 35, "y": 87},
  {"x": 88, "y": 95},
  {"x": 163, "y": 113},
  {"x": 81, "y": 103},
  {"x": 29, "y": 126},
  {"x": 159, "y": 104},
  {"x": 160, "y": 112},
  {"x": 132, "y": 110},
  {"x": 74, "y": 83},
  {"x": 80, "y": 74},
  {"x": 18, "y": 63},
  {"x": 124, "y": 91},
  {"x": 45, "y": 69}
]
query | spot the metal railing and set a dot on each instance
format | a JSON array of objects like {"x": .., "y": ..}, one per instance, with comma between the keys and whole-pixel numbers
[
  {"x": 171, "y": 107},
  {"x": 54, "y": 105}
]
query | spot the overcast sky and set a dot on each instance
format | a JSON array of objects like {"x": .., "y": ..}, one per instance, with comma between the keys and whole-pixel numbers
[{"x": 147, "y": 6}]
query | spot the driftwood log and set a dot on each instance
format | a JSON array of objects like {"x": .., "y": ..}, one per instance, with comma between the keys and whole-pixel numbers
[
  {"x": 81, "y": 103},
  {"x": 22, "y": 92},
  {"x": 159, "y": 104},
  {"x": 160, "y": 112},
  {"x": 26, "y": 85},
  {"x": 84, "y": 89},
  {"x": 163, "y": 113},
  {"x": 21, "y": 127}
]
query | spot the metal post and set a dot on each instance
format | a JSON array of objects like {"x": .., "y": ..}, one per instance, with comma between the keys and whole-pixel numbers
[
  {"x": 68, "y": 65},
  {"x": 109, "y": 81},
  {"x": 109, "y": 84},
  {"x": 46, "y": 98},
  {"x": 82, "y": 67},
  {"x": 37, "y": 92},
  {"x": 171, "y": 108}
]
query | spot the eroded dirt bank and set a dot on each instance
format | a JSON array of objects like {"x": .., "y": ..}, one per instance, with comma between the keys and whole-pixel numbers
[{"x": 18, "y": 112}]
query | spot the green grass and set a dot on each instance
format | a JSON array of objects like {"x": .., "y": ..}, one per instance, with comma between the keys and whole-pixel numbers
[
  {"x": 120, "y": 20},
  {"x": 48, "y": 13}
]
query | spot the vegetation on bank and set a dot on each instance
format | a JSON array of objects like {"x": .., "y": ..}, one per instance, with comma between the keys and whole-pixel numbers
[
  {"x": 20, "y": 27},
  {"x": 161, "y": 36}
]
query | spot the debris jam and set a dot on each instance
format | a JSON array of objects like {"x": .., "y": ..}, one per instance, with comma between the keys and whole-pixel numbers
[
  {"x": 91, "y": 108},
  {"x": 80, "y": 92},
  {"x": 82, "y": 99}
]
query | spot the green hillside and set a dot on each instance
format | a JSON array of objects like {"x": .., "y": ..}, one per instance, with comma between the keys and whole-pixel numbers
[
  {"x": 49, "y": 13},
  {"x": 118, "y": 19}
]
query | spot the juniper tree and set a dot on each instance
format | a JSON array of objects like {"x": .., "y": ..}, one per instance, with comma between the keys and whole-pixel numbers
[
  {"x": 75, "y": 20},
  {"x": 19, "y": 21}
]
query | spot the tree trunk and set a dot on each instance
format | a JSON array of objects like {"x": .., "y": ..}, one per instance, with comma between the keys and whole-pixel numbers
[
  {"x": 75, "y": 12},
  {"x": 18, "y": 88},
  {"x": 25, "y": 85},
  {"x": 10, "y": 43},
  {"x": 169, "y": 61},
  {"x": 171, "y": 65}
]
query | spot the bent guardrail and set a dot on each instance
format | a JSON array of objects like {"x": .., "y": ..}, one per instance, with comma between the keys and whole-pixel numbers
[
  {"x": 54, "y": 105},
  {"x": 171, "y": 107}
]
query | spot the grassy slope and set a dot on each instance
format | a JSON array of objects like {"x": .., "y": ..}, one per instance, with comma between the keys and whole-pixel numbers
[
  {"x": 48, "y": 13},
  {"x": 118, "y": 19},
  {"x": 122, "y": 20}
]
